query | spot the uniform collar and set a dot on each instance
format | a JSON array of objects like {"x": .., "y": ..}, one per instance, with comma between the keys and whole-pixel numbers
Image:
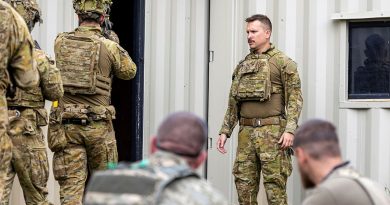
[{"x": 92, "y": 29}]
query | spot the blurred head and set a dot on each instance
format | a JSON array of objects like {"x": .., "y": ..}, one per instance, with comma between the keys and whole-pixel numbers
[
  {"x": 184, "y": 134},
  {"x": 91, "y": 10},
  {"x": 258, "y": 29},
  {"x": 315, "y": 142},
  {"x": 28, "y": 9}
]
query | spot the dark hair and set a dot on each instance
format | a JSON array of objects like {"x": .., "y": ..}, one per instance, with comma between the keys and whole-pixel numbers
[
  {"x": 90, "y": 17},
  {"x": 182, "y": 133},
  {"x": 262, "y": 18},
  {"x": 318, "y": 138}
]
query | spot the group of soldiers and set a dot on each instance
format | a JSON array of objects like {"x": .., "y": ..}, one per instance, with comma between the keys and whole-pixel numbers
[{"x": 78, "y": 82}]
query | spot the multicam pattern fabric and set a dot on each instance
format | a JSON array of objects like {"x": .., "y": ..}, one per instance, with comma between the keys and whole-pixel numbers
[
  {"x": 50, "y": 85},
  {"x": 29, "y": 159},
  {"x": 84, "y": 6},
  {"x": 80, "y": 146},
  {"x": 165, "y": 178},
  {"x": 16, "y": 61},
  {"x": 258, "y": 150},
  {"x": 87, "y": 148},
  {"x": 291, "y": 90}
]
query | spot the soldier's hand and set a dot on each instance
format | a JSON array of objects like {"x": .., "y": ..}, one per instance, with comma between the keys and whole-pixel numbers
[
  {"x": 221, "y": 143},
  {"x": 286, "y": 140}
]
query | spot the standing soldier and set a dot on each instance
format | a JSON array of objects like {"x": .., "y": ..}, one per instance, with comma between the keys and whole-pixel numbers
[
  {"x": 29, "y": 160},
  {"x": 81, "y": 134},
  {"x": 16, "y": 67},
  {"x": 265, "y": 98}
]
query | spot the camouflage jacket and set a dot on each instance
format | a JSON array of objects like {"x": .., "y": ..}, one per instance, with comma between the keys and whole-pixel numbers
[
  {"x": 291, "y": 91},
  {"x": 113, "y": 61},
  {"x": 16, "y": 57},
  {"x": 50, "y": 87},
  {"x": 153, "y": 181}
]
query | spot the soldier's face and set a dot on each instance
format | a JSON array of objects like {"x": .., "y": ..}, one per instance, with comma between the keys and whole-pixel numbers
[{"x": 257, "y": 34}]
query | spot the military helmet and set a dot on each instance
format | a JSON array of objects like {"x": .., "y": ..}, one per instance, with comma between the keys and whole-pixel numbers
[
  {"x": 91, "y": 6},
  {"x": 28, "y": 9}
]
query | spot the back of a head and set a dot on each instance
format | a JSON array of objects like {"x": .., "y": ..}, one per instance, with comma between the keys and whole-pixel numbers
[
  {"x": 318, "y": 138},
  {"x": 28, "y": 9},
  {"x": 91, "y": 9},
  {"x": 182, "y": 133}
]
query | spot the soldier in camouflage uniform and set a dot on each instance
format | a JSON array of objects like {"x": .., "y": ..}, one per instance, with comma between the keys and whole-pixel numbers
[
  {"x": 167, "y": 177},
  {"x": 29, "y": 160},
  {"x": 17, "y": 68},
  {"x": 265, "y": 98},
  {"x": 81, "y": 134}
]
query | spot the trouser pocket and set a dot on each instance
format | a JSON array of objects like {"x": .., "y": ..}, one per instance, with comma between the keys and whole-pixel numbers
[{"x": 59, "y": 165}]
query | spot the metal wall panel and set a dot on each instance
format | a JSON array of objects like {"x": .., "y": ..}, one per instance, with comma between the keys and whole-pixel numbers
[{"x": 176, "y": 60}]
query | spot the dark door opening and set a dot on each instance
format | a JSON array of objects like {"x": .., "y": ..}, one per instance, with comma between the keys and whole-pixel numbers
[{"x": 127, "y": 96}]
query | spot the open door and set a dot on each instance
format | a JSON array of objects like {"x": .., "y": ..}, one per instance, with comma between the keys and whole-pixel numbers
[{"x": 128, "y": 96}]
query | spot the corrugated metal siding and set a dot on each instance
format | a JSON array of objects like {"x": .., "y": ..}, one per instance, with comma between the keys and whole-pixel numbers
[{"x": 176, "y": 60}]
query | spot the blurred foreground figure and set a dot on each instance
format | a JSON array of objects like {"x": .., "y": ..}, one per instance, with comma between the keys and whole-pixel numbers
[
  {"x": 334, "y": 181},
  {"x": 168, "y": 176}
]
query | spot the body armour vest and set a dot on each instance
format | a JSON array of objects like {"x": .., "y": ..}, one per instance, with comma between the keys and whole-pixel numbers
[
  {"x": 32, "y": 98},
  {"x": 142, "y": 185},
  {"x": 78, "y": 60},
  {"x": 252, "y": 78}
]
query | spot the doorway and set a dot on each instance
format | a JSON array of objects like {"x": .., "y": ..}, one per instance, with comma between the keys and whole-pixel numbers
[{"x": 128, "y": 96}]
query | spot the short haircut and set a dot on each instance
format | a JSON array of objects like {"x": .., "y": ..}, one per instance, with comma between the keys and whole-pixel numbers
[
  {"x": 262, "y": 18},
  {"x": 182, "y": 133},
  {"x": 318, "y": 138}
]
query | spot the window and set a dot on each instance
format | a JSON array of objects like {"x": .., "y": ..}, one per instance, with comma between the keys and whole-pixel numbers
[{"x": 369, "y": 60}]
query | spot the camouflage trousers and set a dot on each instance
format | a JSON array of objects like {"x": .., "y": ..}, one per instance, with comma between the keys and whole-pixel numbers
[
  {"x": 88, "y": 148},
  {"x": 258, "y": 151},
  {"x": 29, "y": 160}
]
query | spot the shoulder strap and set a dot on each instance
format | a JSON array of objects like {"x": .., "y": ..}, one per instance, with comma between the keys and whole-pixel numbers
[
  {"x": 376, "y": 195},
  {"x": 175, "y": 173}
]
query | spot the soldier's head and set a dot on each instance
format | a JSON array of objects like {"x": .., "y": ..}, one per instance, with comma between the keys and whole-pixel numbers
[
  {"x": 258, "y": 29},
  {"x": 317, "y": 150},
  {"x": 28, "y": 9},
  {"x": 91, "y": 10},
  {"x": 376, "y": 48},
  {"x": 183, "y": 134}
]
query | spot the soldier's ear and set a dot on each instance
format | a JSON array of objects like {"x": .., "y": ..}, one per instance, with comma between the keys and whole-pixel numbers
[
  {"x": 153, "y": 144},
  {"x": 199, "y": 160}
]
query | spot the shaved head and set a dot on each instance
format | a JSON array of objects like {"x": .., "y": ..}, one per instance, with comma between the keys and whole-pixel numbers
[{"x": 182, "y": 133}]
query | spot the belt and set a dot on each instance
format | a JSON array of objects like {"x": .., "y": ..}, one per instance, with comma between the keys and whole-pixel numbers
[
  {"x": 75, "y": 121},
  {"x": 259, "y": 122}
]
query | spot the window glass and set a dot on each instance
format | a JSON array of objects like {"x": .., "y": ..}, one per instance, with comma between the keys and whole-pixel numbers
[{"x": 369, "y": 60}]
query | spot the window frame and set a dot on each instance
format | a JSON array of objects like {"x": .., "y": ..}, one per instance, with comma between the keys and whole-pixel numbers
[{"x": 342, "y": 22}]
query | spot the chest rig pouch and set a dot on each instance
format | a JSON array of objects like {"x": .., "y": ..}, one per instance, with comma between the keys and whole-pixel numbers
[
  {"x": 78, "y": 60},
  {"x": 252, "y": 79}
]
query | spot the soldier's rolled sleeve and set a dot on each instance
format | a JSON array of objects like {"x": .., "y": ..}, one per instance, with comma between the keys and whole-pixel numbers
[
  {"x": 124, "y": 67},
  {"x": 22, "y": 65},
  {"x": 294, "y": 100},
  {"x": 231, "y": 117},
  {"x": 51, "y": 82}
]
